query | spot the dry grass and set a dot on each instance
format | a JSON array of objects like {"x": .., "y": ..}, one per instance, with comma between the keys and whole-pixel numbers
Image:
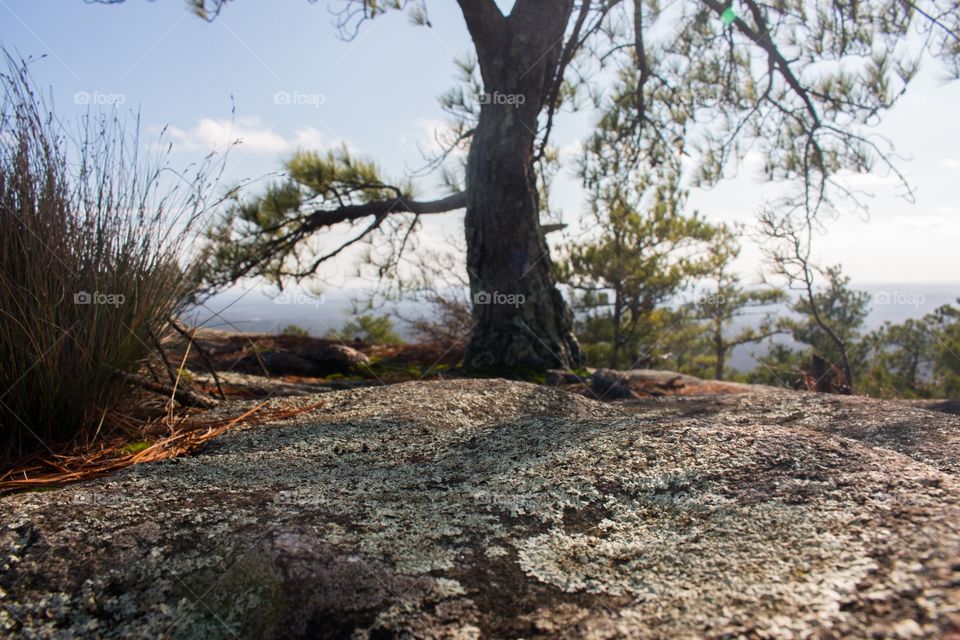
[
  {"x": 95, "y": 258},
  {"x": 183, "y": 435}
]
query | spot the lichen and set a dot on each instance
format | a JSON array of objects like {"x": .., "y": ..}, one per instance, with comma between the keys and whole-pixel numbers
[{"x": 478, "y": 508}]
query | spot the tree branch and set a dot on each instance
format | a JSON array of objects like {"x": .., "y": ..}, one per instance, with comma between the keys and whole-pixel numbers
[
  {"x": 349, "y": 213},
  {"x": 264, "y": 245},
  {"x": 484, "y": 19},
  {"x": 762, "y": 40}
]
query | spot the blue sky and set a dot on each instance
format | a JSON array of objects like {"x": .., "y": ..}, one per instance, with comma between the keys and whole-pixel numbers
[{"x": 378, "y": 94}]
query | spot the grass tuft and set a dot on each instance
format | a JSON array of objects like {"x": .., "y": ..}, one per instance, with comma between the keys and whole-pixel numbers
[{"x": 95, "y": 238}]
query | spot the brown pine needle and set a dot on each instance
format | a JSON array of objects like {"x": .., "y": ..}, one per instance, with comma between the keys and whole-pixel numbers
[{"x": 103, "y": 458}]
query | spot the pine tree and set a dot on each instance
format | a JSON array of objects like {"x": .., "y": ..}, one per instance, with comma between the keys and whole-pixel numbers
[
  {"x": 799, "y": 82},
  {"x": 727, "y": 301}
]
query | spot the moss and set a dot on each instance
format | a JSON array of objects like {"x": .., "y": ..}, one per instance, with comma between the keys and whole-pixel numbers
[{"x": 136, "y": 447}]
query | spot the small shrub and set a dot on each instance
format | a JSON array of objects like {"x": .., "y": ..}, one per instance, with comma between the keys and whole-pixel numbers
[
  {"x": 451, "y": 324},
  {"x": 294, "y": 330},
  {"x": 93, "y": 238},
  {"x": 375, "y": 329}
]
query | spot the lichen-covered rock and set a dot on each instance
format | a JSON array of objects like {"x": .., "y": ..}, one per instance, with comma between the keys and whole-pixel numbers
[
  {"x": 484, "y": 508},
  {"x": 311, "y": 361},
  {"x": 335, "y": 357},
  {"x": 612, "y": 384}
]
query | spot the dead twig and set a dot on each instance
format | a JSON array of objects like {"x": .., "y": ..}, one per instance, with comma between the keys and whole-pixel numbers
[
  {"x": 184, "y": 396},
  {"x": 189, "y": 336}
]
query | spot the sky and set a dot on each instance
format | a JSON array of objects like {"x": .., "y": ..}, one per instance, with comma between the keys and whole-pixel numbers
[{"x": 277, "y": 76}]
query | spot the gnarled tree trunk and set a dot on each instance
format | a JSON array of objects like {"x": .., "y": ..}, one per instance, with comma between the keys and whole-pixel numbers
[{"x": 522, "y": 320}]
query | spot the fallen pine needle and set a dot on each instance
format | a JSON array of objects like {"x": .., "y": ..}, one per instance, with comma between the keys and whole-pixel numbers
[{"x": 102, "y": 458}]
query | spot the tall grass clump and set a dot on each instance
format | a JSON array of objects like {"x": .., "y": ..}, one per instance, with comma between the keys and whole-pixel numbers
[{"x": 96, "y": 241}]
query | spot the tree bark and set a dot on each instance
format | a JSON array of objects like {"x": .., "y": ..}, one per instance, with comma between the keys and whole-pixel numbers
[
  {"x": 522, "y": 321},
  {"x": 720, "y": 364},
  {"x": 617, "y": 329},
  {"x": 720, "y": 351}
]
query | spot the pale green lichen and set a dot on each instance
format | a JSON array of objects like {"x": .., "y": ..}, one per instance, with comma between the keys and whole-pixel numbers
[
  {"x": 495, "y": 551},
  {"x": 446, "y": 588},
  {"x": 432, "y": 501}
]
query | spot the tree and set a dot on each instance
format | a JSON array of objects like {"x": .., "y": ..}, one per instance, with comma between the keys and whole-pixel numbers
[
  {"x": 901, "y": 360},
  {"x": 946, "y": 368},
  {"x": 727, "y": 301},
  {"x": 373, "y": 329},
  {"x": 832, "y": 322},
  {"x": 799, "y": 82},
  {"x": 779, "y": 366},
  {"x": 831, "y": 318},
  {"x": 643, "y": 256},
  {"x": 919, "y": 358}
]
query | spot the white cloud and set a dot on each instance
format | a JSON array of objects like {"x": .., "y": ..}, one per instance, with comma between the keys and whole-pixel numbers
[
  {"x": 867, "y": 181},
  {"x": 249, "y": 133},
  {"x": 951, "y": 163},
  {"x": 311, "y": 138},
  {"x": 571, "y": 152}
]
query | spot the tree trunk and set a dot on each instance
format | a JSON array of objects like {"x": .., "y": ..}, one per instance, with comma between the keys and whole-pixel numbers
[
  {"x": 720, "y": 364},
  {"x": 522, "y": 321},
  {"x": 720, "y": 351},
  {"x": 617, "y": 322}
]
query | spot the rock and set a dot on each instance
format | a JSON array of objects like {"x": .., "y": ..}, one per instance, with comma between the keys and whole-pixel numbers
[
  {"x": 610, "y": 384},
  {"x": 279, "y": 363},
  {"x": 947, "y": 406},
  {"x": 314, "y": 360},
  {"x": 335, "y": 358},
  {"x": 662, "y": 378},
  {"x": 487, "y": 508},
  {"x": 259, "y": 386},
  {"x": 557, "y": 377}
]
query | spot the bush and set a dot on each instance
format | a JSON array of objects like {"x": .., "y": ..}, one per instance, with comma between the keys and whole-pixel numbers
[
  {"x": 92, "y": 244},
  {"x": 295, "y": 331},
  {"x": 450, "y": 325},
  {"x": 374, "y": 329}
]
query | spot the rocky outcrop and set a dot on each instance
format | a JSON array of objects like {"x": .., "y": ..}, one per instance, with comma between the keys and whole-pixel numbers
[
  {"x": 313, "y": 360},
  {"x": 335, "y": 357},
  {"x": 278, "y": 363},
  {"x": 485, "y": 508},
  {"x": 611, "y": 384}
]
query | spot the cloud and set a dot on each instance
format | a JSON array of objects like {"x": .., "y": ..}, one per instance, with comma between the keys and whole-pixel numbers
[
  {"x": 571, "y": 152},
  {"x": 211, "y": 134},
  {"x": 951, "y": 163},
  {"x": 867, "y": 180}
]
